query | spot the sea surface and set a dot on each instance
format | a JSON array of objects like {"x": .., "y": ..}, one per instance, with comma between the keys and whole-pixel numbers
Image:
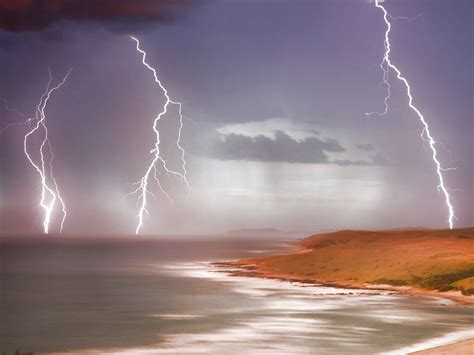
[{"x": 152, "y": 296}]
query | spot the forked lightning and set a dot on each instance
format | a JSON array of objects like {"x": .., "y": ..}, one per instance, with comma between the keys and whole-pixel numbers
[
  {"x": 50, "y": 194},
  {"x": 386, "y": 65},
  {"x": 151, "y": 171}
]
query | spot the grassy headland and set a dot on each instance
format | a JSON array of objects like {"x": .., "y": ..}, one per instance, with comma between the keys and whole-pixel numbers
[{"x": 424, "y": 259}]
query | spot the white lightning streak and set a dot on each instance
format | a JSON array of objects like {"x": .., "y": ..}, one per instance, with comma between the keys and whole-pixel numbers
[
  {"x": 384, "y": 66},
  {"x": 426, "y": 130},
  {"x": 49, "y": 188},
  {"x": 409, "y": 19},
  {"x": 142, "y": 190}
]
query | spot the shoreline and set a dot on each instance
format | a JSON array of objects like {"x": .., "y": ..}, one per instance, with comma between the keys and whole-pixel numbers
[
  {"x": 430, "y": 263},
  {"x": 249, "y": 269},
  {"x": 451, "y": 343},
  {"x": 465, "y": 347}
]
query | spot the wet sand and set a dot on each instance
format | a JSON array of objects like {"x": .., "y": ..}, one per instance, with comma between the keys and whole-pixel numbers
[{"x": 465, "y": 347}]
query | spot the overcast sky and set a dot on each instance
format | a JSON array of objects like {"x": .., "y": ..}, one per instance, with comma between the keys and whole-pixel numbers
[{"x": 274, "y": 94}]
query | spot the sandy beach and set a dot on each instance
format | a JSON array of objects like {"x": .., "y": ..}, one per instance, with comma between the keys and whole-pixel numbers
[{"x": 465, "y": 347}]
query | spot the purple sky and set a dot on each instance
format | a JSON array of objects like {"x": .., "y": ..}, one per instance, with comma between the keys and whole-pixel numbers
[{"x": 274, "y": 94}]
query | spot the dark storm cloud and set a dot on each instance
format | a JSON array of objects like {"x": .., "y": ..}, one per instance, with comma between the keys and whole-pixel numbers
[
  {"x": 347, "y": 162},
  {"x": 37, "y": 15},
  {"x": 380, "y": 159},
  {"x": 282, "y": 148},
  {"x": 366, "y": 147}
]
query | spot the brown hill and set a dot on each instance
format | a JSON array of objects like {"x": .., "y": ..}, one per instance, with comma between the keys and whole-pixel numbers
[{"x": 441, "y": 260}]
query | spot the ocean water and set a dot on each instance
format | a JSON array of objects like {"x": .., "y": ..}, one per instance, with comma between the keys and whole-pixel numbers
[{"x": 142, "y": 296}]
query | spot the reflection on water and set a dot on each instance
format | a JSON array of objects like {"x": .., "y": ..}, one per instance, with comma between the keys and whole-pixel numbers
[{"x": 150, "y": 297}]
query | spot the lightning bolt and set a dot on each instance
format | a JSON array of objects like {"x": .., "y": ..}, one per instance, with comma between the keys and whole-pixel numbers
[
  {"x": 50, "y": 194},
  {"x": 386, "y": 65},
  {"x": 151, "y": 171}
]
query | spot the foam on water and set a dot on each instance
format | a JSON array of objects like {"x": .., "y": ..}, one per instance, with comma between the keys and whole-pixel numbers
[
  {"x": 258, "y": 286},
  {"x": 288, "y": 318}
]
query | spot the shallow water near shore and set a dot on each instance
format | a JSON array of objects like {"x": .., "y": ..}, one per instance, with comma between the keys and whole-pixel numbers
[{"x": 132, "y": 296}]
